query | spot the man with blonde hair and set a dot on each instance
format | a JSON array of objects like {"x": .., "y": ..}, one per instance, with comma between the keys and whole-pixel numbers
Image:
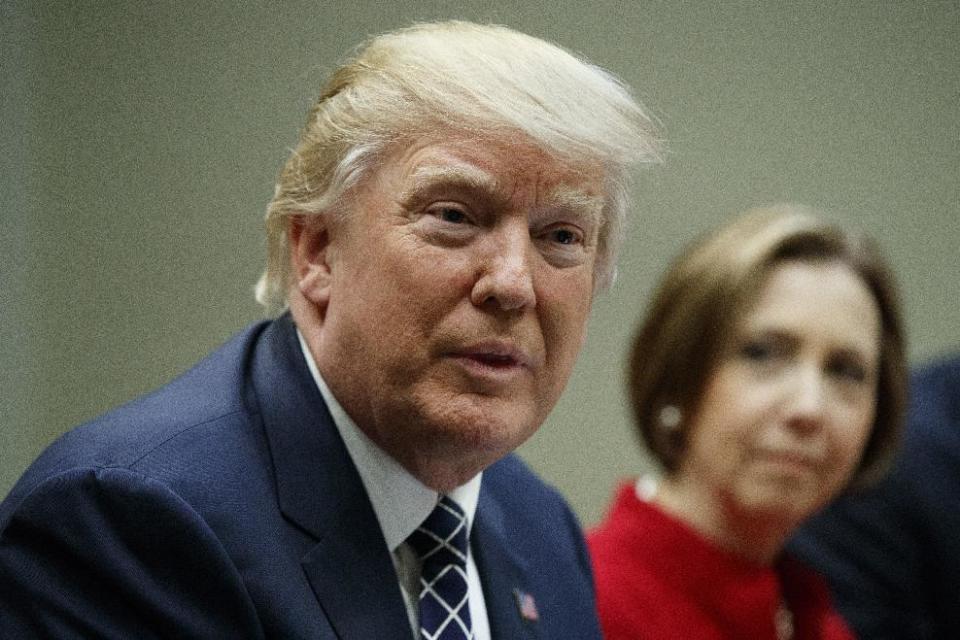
[{"x": 344, "y": 470}]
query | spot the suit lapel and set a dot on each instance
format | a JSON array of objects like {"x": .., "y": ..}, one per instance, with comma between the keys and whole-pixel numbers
[
  {"x": 502, "y": 573},
  {"x": 319, "y": 490},
  {"x": 357, "y": 589}
]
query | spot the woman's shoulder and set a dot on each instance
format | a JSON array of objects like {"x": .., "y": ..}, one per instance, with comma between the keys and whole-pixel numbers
[{"x": 634, "y": 552}]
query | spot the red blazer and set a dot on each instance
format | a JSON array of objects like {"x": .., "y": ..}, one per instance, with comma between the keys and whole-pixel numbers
[{"x": 658, "y": 579}]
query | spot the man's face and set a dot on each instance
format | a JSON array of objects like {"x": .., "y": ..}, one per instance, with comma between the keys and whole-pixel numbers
[{"x": 460, "y": 281}]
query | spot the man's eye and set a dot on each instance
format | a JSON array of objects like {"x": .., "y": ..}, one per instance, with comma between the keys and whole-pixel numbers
[
  {"x": 452, "y": 215},
  {"x": 565, "y": 236},
  {"x": 563, "y": 244}
]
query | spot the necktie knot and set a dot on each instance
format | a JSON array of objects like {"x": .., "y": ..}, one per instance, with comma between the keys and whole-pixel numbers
[{"x": 442, "y": 538}]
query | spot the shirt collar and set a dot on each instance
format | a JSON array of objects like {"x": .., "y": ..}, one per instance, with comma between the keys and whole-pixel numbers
[{"x": 400, "y": 501}]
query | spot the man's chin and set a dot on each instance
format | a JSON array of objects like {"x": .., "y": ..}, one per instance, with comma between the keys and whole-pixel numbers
[
  {"x": 450, "y": 462},
  {"x": 491, "y": 435},
  {"x": 461, "y": 444}
]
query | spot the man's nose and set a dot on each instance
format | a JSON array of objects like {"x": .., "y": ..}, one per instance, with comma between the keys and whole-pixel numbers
[{"x": 505, "y": 280}]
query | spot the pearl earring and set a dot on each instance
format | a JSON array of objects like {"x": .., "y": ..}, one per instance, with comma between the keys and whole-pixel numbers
[{"x": 670, "y": 417}]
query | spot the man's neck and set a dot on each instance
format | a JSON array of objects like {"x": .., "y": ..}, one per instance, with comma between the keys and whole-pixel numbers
[{"x": 399, "y": 499}]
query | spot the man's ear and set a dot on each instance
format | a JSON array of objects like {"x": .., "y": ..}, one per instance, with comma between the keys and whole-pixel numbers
[{"x": 310, "y": 257}]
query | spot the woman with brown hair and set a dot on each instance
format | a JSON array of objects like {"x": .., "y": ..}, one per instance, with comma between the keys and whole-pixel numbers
[{"x": 767, "y": 377}]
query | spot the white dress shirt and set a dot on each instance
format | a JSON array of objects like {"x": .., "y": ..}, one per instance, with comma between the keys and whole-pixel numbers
[{"x": 401, "y": 504}]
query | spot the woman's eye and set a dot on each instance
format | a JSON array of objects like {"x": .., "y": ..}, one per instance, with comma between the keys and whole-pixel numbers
[
  {"x": 851, "y": 371},
  {"x": 757, "y": 351}
]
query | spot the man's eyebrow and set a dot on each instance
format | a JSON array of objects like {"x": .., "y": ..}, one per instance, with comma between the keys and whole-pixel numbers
[
  {"x": 427, "y": 177},
  {"x": 576, "y": 201}
]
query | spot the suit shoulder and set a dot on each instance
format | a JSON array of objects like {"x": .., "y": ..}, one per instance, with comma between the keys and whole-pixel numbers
[
  {"x": 527, "y": 500},
  {"x": 212, "y": 395},
  {"x": 512, "y": 480}
]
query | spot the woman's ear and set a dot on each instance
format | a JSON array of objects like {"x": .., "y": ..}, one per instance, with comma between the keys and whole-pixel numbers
[{"x": 310, "y": 257}]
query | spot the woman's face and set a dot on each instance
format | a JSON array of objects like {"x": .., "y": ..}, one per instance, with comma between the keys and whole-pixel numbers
[{"x": 786, "y": 414}]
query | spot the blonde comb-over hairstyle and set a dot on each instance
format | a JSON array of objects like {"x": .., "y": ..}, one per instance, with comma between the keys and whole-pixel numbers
[
  {"x": 709, "y": 288},
  {"x": 436, "y": 79}
]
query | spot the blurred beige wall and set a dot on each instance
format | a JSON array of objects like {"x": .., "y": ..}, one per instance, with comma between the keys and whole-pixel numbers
[{"x": 140, "y": 142}]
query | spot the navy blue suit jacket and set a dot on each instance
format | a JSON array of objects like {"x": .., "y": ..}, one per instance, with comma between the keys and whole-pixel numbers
[
  {"x": 225, "y": 505},
  {"x": 892, "y": 554}
]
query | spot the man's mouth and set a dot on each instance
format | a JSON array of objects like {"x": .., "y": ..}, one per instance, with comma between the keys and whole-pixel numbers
[
  {"x": 496, "y": 353},
  {"x": 494, "y": 357},
  {"x": 493, "y": 360}
]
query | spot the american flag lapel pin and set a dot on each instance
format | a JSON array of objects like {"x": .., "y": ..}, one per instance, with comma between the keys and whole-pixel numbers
[{"x": 526, "y": 605}]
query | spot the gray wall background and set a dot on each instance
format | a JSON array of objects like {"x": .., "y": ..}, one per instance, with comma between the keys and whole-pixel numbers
[{"x": 139, "y": 144}]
